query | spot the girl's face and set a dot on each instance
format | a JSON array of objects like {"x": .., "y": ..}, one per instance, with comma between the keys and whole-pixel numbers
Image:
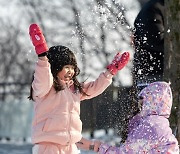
[{"x": 66, "y": 73}]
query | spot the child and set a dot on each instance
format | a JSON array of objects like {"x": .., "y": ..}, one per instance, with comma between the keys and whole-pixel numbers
[
  {"x": 148, "y": 131},
  {"x": 57, "y": 94}
]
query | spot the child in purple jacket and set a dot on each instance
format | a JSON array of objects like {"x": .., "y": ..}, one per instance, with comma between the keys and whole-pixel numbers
[{"x": 149, "y": 131}]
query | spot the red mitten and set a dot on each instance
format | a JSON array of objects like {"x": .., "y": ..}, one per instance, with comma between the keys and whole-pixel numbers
[
  {"x": 119, "y": 61},
  {"x": 38, "y": 39}
]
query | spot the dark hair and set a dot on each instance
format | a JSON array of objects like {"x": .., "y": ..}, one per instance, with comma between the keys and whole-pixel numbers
[
  {"x": 30, "y": 97},
  {"x": 59, "y": 56}
]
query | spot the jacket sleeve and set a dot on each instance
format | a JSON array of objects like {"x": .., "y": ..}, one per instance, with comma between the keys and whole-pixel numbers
[
  {"x": 107, "y": 149},
  {"x": 43, "y": 79},
  {"x": 135, "y": 143},
  {"x": 133, "y": 146},
  {"x": 95, "y": 88}
]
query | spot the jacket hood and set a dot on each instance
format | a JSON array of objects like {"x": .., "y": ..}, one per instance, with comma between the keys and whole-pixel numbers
[{"x": 157, "y": 99}]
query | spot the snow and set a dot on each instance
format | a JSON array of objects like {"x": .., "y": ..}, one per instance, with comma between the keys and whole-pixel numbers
[{"x": 20, "y": 147}]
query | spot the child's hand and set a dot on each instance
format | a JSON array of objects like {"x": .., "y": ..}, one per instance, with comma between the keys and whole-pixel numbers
[
  {"x": 97, "y": 145},
  {"x": 88, "y": 144},
  {"x": 119, "y": 61},
  {"x": 38, "y": 39},
  {"x": 83, "y": 144}
]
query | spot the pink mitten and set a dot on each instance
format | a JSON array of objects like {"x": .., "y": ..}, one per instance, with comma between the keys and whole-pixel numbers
[
  {"x": 119, "y": 61},
  {"x": 38, "y": 39}
]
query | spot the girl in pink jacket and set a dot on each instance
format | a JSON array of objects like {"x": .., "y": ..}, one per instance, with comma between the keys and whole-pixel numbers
[{"x": 57, "y": 94}]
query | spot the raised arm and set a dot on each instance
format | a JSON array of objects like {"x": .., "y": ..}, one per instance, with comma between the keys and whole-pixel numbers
[
  {"x": 104, "y": 80},
  {"x": 43, "y": 79}
]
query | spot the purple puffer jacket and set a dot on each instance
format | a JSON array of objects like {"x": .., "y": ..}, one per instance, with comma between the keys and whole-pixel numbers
[{"x": 149, "y": 131}]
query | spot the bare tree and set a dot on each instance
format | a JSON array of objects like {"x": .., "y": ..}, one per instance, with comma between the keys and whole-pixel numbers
[
  {"x": 87, "y": 27},
  {"x": 13, "y": 66},
  {"x": 172, "y": 59}
]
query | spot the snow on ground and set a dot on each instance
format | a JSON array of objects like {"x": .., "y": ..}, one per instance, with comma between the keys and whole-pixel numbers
[{"x": 20, "y": 147}]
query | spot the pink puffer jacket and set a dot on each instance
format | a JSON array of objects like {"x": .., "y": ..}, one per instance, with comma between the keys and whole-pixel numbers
[{"x": 57, "y": 114}]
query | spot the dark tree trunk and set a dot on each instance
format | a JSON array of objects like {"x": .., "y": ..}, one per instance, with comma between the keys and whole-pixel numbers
[{"x": 172, "y": 59}]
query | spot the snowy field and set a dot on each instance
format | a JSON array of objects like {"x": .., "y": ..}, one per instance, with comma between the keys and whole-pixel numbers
[
  {"x": 18, "y": 147},
  {"x": 22, "y": 149}
]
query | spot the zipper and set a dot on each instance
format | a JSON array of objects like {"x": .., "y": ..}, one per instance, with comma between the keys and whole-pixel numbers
[{"x": 69, "y": 115}]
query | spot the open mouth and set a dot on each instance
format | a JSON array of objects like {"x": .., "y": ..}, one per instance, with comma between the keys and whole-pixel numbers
[{"x": 68, "y": 77}]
